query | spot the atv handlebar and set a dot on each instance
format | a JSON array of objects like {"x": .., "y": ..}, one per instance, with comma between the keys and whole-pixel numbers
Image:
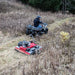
[{"x": 44, "y": 23}]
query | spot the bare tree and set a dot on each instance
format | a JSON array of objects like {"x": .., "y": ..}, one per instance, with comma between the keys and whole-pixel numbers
[{"x": 63, "y": 6}]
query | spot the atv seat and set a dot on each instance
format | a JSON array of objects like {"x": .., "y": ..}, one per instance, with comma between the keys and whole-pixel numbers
[{"x": 36, "y": 28}]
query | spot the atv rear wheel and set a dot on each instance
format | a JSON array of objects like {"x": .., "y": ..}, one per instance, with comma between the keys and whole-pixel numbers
[{"x": 27, "y": 32}]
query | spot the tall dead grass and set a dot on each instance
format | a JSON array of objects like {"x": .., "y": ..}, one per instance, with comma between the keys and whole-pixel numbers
[{"x": 55, "y": 59}]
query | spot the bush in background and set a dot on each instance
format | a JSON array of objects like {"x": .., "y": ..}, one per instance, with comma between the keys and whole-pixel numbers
[
  {"x": 71, "y": 6},
  {"x": 52, "y": 5}
]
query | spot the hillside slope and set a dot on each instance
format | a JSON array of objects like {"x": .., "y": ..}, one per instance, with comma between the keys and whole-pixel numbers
[
  {"x": 54, "y": 58},
  {"x": 8, "y": 54},
  {"x": 14, "y": 16}
]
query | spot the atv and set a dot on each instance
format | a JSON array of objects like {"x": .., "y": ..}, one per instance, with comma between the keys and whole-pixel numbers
[
  {"x": 35, "y": 30},
  {"x": 29, "y": 48}
]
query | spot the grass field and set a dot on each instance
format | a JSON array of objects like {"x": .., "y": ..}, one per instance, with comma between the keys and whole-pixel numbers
[{"x": 56, "y": 58}]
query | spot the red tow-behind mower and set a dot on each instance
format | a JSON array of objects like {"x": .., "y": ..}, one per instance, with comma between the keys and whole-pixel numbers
[{"x": 29, "y": 48}]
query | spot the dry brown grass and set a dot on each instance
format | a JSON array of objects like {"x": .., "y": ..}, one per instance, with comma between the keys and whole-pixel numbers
[{"x": 55, "y": 58}]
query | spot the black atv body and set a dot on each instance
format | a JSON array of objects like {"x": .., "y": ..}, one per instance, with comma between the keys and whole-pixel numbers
[{"x": 35, "y": 30}]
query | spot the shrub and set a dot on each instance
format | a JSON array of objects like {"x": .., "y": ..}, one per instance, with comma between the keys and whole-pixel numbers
[
  {"x": 64, "y": 36},
  {"x": 71, "y": 6},
  {"x": 24, "y": 1},
  {"x": 53, "y": 5}
]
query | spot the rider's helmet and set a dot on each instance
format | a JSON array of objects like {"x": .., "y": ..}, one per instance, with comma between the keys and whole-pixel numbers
[{"x": 38, "y": 16}]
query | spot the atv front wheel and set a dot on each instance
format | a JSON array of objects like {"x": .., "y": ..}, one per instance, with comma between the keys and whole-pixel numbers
[
  {"x": 33, "y": 33},
  {"x": 39, "y": 33},
  {"x": 46, "y": 31}
]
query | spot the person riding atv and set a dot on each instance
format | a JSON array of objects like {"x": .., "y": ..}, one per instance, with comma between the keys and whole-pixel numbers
[
  {"x": 39, "y": 27},
  {"x": 37, "y": 22}
]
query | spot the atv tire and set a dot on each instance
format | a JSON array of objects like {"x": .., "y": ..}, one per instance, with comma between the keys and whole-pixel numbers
[
  {"x": 27, "y": 32},
  {"x": 46, "y": 31},
  {"x": 33, "y": 33},
  {"x": 39, "y": 33}
]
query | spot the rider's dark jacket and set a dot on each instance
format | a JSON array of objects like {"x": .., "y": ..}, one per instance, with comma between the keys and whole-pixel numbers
[{"x": 37, "y": 22}]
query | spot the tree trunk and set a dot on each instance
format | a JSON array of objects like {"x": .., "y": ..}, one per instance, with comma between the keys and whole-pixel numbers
[{"x": 63, "y": 6}]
